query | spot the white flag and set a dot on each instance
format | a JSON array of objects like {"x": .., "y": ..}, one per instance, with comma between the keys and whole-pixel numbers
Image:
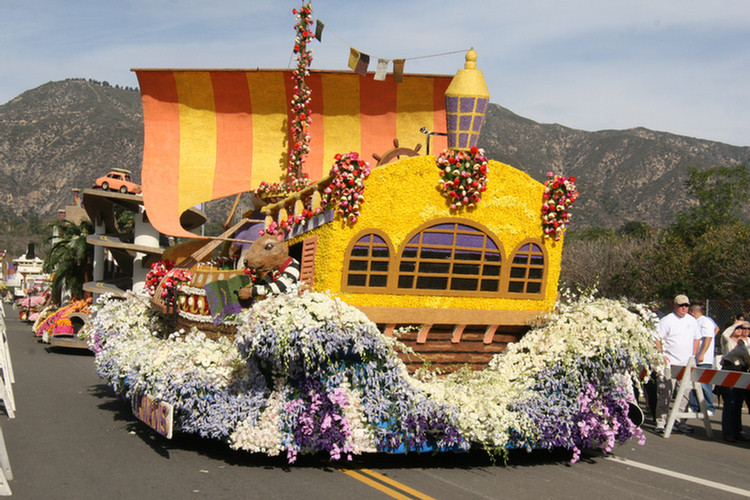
[{"x": 381, "y": 70}]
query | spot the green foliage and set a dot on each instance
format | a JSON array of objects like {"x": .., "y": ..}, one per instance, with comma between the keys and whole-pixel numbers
[
  {"x": 70, "y": 258},
  {"x": 636, "y": 228},
  {"x": 125, "y": 221},
  {"x": 706, "y": 253},
  {"x": 720, "y": 192}
]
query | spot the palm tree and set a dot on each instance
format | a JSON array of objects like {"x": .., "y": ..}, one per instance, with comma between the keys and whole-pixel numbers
[{"x": 70, "y": 258}]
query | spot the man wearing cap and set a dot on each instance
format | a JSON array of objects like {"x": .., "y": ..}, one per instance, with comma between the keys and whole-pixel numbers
[{"x": 677, "y": 337}]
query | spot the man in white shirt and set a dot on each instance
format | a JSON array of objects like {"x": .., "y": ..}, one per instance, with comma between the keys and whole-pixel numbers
[
  {"x": 677, "y": 338},
  {"x": 704, "y": 357}
]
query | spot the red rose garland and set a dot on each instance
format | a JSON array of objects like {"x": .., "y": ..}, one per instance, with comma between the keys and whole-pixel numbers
[
  {"x": 463, "y": 176},
  {"x": 347, "y": 188},
  {"x": 301, "y": 99},
  {"x": 559, "y": 194},
  {"x": 281, "y": 189}
]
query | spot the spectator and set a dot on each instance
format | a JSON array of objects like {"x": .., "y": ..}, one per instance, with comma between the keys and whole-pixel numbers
[
  {"x": 734, "y": 345},
  {"x": 676, "y": 338},
  {"x": 704, "y": 357}
]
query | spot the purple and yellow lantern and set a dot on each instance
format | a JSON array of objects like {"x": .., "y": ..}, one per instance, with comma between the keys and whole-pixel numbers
[{"x": 466, "y": 101}]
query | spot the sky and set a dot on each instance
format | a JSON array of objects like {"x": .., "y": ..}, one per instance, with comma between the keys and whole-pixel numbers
[{"x": 679, "y": 66}]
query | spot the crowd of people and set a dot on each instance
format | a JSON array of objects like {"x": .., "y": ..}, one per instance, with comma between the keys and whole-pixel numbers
[{"x": 688, "y": 332}]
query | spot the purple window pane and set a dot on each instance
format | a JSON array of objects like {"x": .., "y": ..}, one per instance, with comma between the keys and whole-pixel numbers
[
  {"x": 414, "y": 240},
  {"x": 525, "y": 248},
  {"x": 535, "y": 248},
  {"x": 490, "y": 244},
  {"x": 470, "y": 240},
  {"x": 442, "y": 239},
  {"x": 463, "y": 140},
  {"x": 377, "y": 239},
  {"x": 465, "y": 123},
  {"x": 478, "y": 121},
  {"x": 482, "y": 105},
  {"x": 450, "y": 226},
  {"x": 452, "y": 140},
  {"x": 451, "y": 122},
  {"x": 473, "y": 139},
  {"x": 364, "y": 239},
  {"x": 467, "y": 104},
  {"x": 451, "y": 104},
  {"x": 409, "y": 253}
]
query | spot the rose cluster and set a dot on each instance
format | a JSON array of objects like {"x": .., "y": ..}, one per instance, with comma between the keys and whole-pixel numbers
[
  {"x": 559, "y": 194},
  {"x": 172, "y": 282},
  {"x": 291, "y": 221},
  {"x": 463, "y": 176},
  {"x": 156, "y": 274},
  {"x": 347, "y": 188}
]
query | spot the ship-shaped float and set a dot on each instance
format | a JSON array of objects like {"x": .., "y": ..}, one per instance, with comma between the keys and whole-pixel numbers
[{"x": 466, "y": 280}]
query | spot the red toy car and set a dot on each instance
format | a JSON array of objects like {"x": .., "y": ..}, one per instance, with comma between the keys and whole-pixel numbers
[{"x": 118, "y": 180}]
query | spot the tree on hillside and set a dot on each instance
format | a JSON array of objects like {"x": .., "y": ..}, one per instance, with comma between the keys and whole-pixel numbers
[
  {"x": 720, "y": 192},
  {"x": 70, "y": 258}
]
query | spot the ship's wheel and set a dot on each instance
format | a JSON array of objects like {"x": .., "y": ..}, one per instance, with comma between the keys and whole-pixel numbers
[{"x": 396, "y": 153}]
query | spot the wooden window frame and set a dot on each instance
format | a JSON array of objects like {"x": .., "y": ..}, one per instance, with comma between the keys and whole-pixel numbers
[
  {"x": 345, "y": 286},
  {"x": 526, "y": 280},
  {"x": 447, "y": 292}
]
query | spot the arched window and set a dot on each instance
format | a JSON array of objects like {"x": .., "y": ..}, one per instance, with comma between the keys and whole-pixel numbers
[
  {"x": 451, "y": 257},
  {"x": 368, "y": 262},
  {"x": 527, "y": 270}
]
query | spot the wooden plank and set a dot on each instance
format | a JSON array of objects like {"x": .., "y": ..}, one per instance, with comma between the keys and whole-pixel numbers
[
  {"x": 388, "y": 332},
  {"x": 489, "y": 334},
  {"x": 422, "y": 337},
  {"x": 457, "y": 331},
  {"x": 431, "y": 347},
  {"x": 452, "y": 316}
]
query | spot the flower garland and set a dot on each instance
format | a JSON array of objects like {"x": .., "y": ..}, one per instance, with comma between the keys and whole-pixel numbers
[
  {"x": 559, "y": 194},
  {"x": 463, "y": 176},
  {"x": 281, "y": 189},
  {"x": 301, "y": 99},
  {"x": 346, "y": 190}
]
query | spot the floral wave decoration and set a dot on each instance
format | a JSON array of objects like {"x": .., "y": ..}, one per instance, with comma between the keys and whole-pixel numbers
[
  {"x": 55, "y": 320},
  {"x": 307, "y": 373}
]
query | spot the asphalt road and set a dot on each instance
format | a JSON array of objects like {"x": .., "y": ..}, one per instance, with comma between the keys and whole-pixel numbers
[{"x": 73, "y": 439}]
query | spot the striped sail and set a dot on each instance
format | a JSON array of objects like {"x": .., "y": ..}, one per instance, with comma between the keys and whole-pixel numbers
[{"x": 214, "y": 133}]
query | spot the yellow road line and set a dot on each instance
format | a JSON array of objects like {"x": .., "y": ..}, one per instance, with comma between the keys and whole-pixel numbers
[{"x": 361, "y": 475}]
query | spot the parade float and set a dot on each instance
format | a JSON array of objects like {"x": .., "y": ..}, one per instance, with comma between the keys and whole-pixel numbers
[{"x": 425, "y": 316}]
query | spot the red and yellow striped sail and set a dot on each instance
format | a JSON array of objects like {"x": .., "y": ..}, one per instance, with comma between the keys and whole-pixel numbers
[{"x": 214, "y": 133}]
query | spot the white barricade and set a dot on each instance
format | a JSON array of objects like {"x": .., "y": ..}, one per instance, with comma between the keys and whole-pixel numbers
[
  {"x": 8, "y": 377},
  {"x": 691, "y": 377},
  {"x": 6, "y": 395}
]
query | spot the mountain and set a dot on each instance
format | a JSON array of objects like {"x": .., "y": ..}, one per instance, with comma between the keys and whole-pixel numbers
[
  {"x": 622, "y": 175},
  {"x": 62, "y": 135}
]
